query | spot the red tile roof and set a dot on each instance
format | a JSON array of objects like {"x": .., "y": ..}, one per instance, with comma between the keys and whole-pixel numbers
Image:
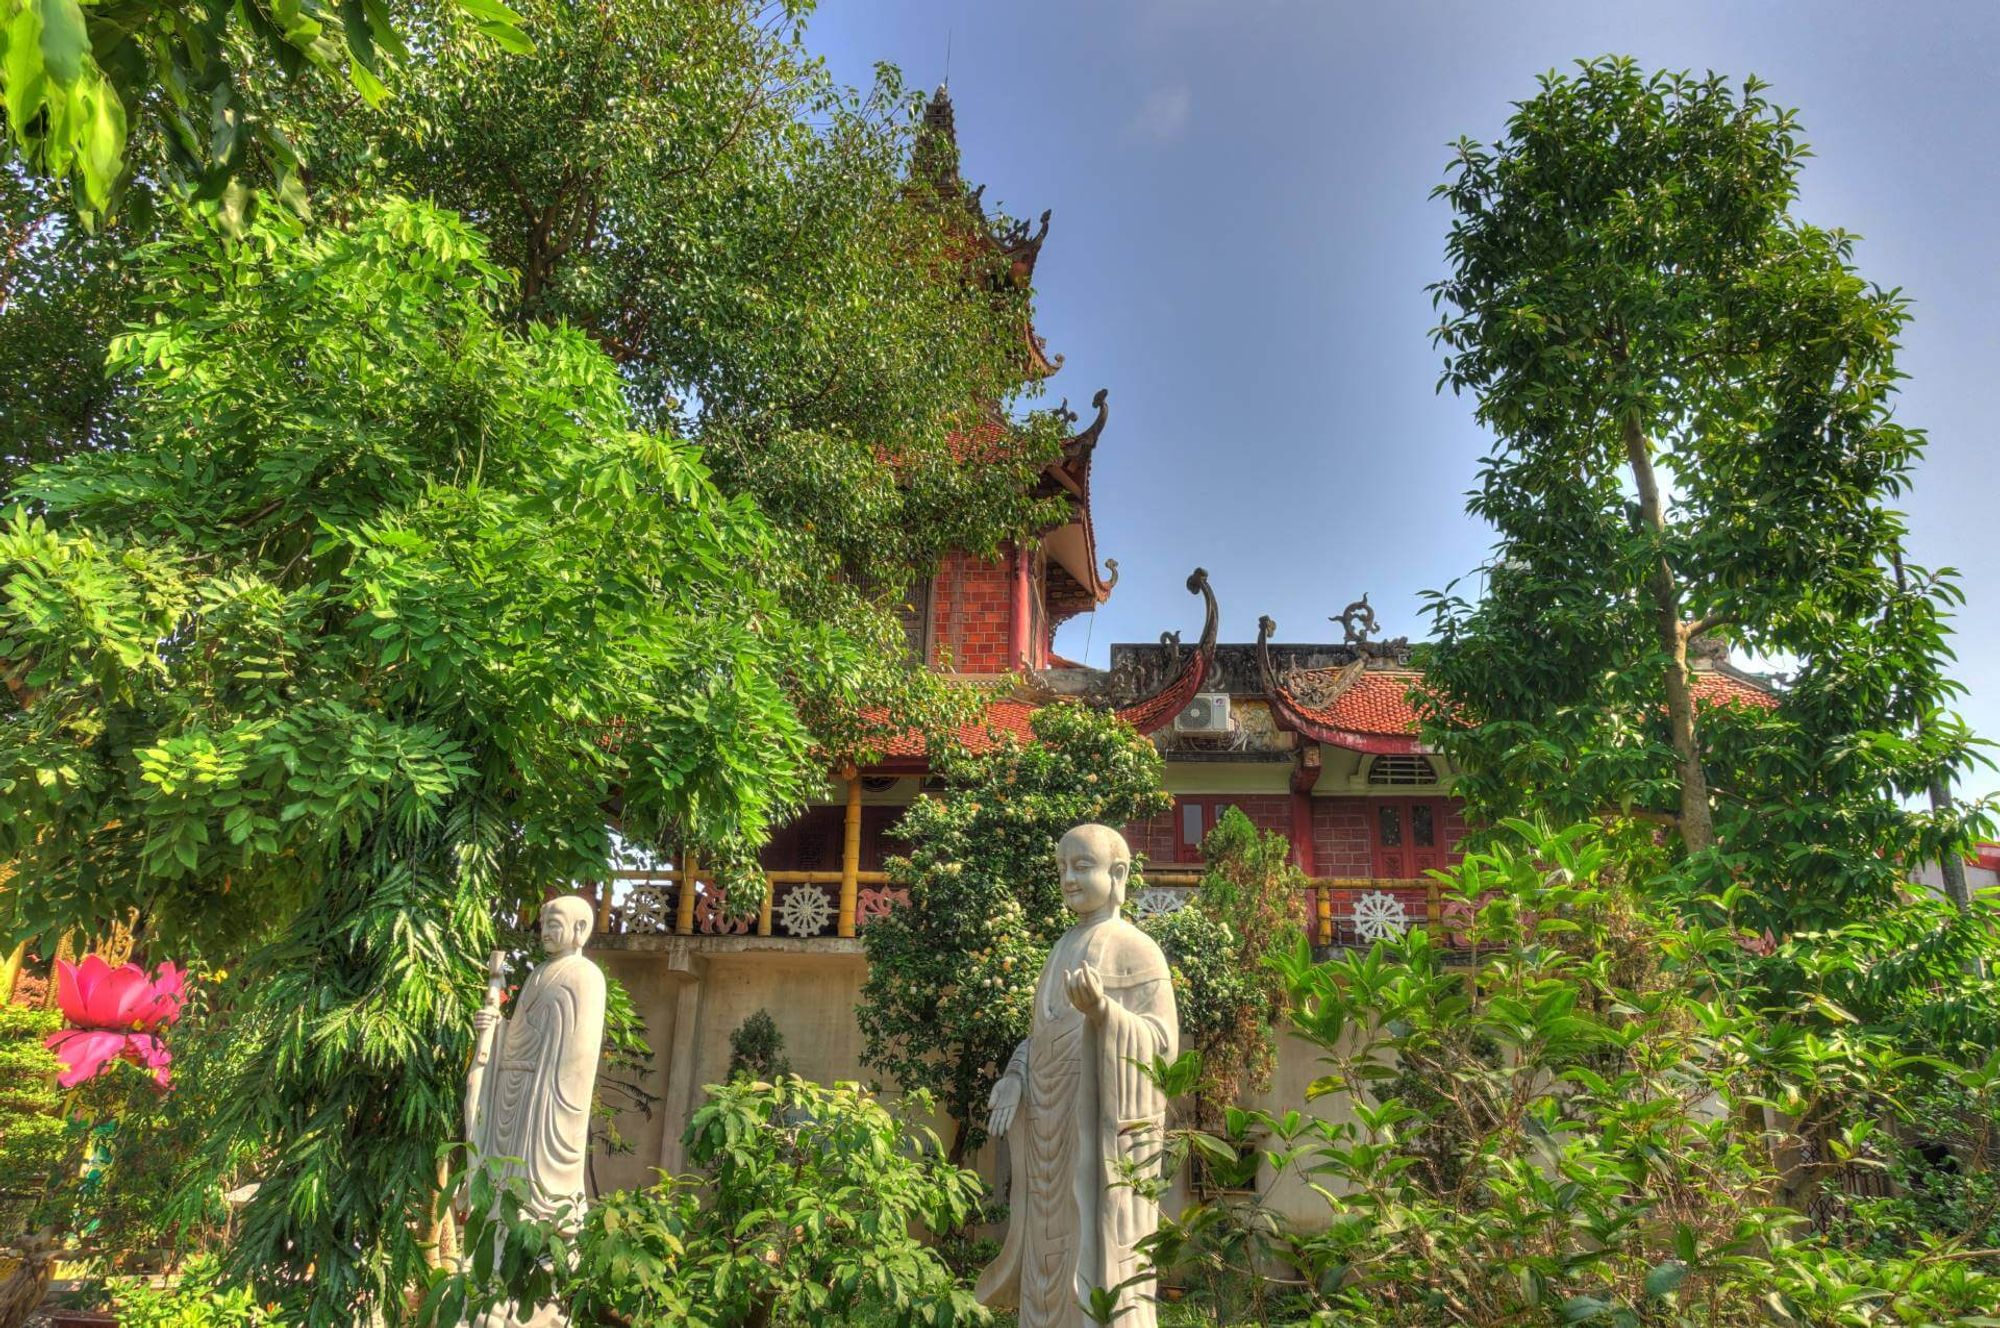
[
  {"x": 1373, "y": 711},
  {"x": 1003, "y": 719},
  {"x": 1716, "y": 688}
]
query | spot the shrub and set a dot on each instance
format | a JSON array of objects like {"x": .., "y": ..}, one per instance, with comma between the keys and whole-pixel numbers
[
  {"x": 1230, "y": 998},
  {"x": 757, "y": 1050},
  {"x": 1574, "y": 1128},
  {"x": 196, "y": 1300},
  {"x": 812, "y": 1206}
]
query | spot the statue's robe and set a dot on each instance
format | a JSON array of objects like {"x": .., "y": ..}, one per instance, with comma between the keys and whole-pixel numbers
[
  {"x": 535, "y": 1102},
  {"x": 1086, "y": 1112}
]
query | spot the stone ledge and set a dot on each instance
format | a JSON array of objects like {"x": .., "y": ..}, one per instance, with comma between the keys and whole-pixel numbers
[{"x": 711, "y": 945}]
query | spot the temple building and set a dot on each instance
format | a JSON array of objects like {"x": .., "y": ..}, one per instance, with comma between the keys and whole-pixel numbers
[{"x": 1318, "y": 741}]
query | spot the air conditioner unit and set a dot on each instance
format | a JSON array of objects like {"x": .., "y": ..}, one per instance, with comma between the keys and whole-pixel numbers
[{"x": 1207, "y": 713}]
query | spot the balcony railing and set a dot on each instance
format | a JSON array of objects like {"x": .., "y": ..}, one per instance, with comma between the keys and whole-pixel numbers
[{"x": 815, "y": 905}]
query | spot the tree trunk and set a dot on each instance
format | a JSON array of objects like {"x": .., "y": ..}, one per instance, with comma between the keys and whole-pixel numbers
[
  {"x": 1952, "y": 867},
  {"x": 1697, "y": 826},
  {"x": 961, "y": 1132}
]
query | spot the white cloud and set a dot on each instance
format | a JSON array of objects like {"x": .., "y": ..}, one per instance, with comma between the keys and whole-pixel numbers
[{"x": 1163, "y": 115}]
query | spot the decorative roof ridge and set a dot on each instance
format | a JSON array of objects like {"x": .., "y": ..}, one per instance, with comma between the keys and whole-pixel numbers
[
  {"x": 1154, "y": 712},
  {"x": 1083, "y": 443},
  {"x": 1071, "y": 472},
  {"x": 1296, "y": 716}
]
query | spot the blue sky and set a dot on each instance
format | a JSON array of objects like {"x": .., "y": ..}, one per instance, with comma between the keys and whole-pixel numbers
[{"x": 1242, "y": 236}]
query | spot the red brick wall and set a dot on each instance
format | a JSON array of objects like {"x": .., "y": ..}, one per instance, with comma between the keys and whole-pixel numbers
[
  {"x": 972, "y": 611},
  {"x": 1154, "y": 838},
  {"x": 1340, "y": 837}
]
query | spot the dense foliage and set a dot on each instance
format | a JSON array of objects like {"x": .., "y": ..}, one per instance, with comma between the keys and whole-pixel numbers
[
  {"x": 1230, "y": 998},
  {"x": 951, "y": 977},
  {"x": 77, "y": 80},
  {"x": 35, "y": 1143},
  {"x": 1581, "y": 1126},
  {"x": 383, "y": 610},
  {"x": 198, "y": 1299},
  {"x": 742, "y": 234},
  {"x": 749, "y": 242},
  {"x": 811, "y": 1206},
  {"x": 1638, "y": 311}
]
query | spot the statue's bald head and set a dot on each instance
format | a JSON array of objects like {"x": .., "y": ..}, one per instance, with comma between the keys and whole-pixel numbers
[
  {"x": 1104, "y": 839},
  {"x": 566, "y": 923},
  {"x": 1094, "y": 861}
]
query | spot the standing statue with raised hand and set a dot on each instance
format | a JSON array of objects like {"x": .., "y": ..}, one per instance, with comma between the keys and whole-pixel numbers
[
  {"x": 532, "y": 1103},
  {"x": 1078, "y": 1112}
]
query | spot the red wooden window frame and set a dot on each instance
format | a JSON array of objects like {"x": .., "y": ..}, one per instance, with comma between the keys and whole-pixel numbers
[
  {"x": 1207, "y": 809},
  {"x": 1406, "y": 858}
]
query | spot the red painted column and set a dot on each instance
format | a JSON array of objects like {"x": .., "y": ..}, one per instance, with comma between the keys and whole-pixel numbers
[
  {"x": 1020, "y": 633},
  {"x": 1302, "y": 832}
]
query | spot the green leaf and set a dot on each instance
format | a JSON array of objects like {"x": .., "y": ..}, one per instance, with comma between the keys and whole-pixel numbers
[
  {"x": 26, "y": 74},
  {"x": 1662, "y": 1278},
  {"x": 65, "y": 40}
]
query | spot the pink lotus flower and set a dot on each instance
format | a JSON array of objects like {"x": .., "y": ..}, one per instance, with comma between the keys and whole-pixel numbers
[{"x": 115, "y": 1014}]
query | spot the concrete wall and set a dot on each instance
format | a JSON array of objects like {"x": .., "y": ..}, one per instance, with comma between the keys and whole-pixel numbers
[{"x": 810, "y": 989}]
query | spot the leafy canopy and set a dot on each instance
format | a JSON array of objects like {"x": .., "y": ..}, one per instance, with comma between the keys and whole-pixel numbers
[
  {"x": 1690, "y": 390},
  {"x": 783, "y": 271},
  {"x": 748, "y": 239},
  {"x": 385, "y": 612},
  {"x": 78, "y": 80}
]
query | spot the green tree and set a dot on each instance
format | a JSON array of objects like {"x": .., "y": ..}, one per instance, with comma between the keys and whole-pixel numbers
[
  {"x": 78, "y": 80},
  {"x": 749, "y": 240},
  {"x": 382, "y": 613},
  {"x": 1230, "y": 997},
  {"x": 1690, "y": 392},
  {"x": 811, "y": 1206},
  {"x": 951, "y": 976},
  {"x": 786, "y": 269}
]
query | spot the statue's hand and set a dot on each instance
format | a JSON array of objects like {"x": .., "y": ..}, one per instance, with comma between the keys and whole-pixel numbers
[
  {"x": 1086, "y": 991},
  {"x": 1001, "y": 1104},
  {"x": 483, "y": 1019}
]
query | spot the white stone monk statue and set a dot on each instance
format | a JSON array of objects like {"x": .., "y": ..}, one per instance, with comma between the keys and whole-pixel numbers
[
  {"x": 1076, "y": 1111},
  {"x": 533, "y": 1101}
]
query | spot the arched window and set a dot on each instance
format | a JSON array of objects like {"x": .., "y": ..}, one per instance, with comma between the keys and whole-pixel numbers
[{"x": 1401, "y": 770}]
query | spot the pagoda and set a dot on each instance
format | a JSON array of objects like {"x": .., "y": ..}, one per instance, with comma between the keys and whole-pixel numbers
[{"x": 1317, "y": 741}]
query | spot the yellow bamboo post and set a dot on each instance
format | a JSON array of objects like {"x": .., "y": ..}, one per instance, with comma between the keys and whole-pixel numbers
[
  {"x": 10, "y": 971},
  {"x": 764, "y": 909},
  {"x": 604, "y": 908},
  {"x": 1323, "y": 904},
  {"x": 684, "y": 913},
  {"x": 850, "y": 859}
]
